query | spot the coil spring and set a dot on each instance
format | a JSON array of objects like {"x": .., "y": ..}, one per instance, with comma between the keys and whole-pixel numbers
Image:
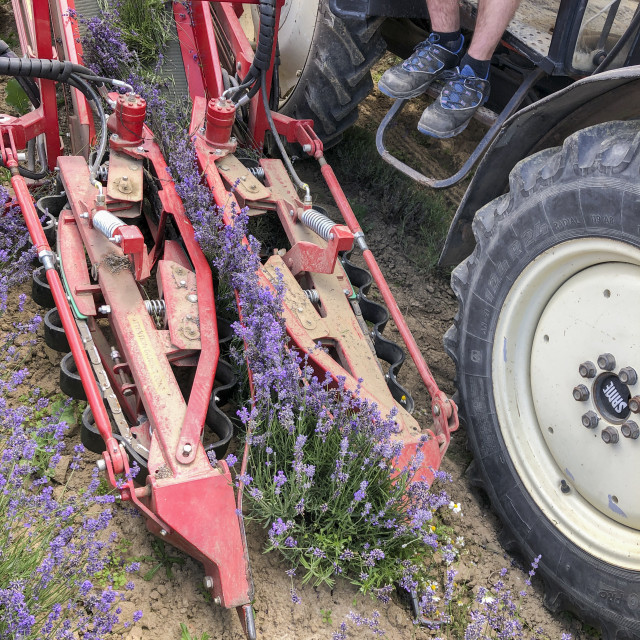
[
  {"x": 106, "y": 223},
  {"x": 312, "y": 294},
  {"x": 156, "y": 307},
  {"x": 257, "y": 172},
  {"x": 318, "y": 222},
  {"x": 103, "y": 172}
]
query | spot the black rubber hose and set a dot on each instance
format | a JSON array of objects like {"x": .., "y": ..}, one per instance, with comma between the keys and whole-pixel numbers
[
  {"x": 285, "y": 158},
  {"x": 55, "y": 70},
  {"x": 28, "y": 85}
]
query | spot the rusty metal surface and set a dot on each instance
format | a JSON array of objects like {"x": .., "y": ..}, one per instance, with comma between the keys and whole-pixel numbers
[
  {"x": 178, "y": 287},
  {"x": 125, "y": 177}
]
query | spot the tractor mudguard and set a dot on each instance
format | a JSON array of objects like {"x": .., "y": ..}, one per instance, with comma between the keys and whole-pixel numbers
[
  {"x": 612, "y": 95},
  {"x": 360, "y": 9}
]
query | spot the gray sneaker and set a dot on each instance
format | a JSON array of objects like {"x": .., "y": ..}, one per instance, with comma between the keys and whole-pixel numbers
[
  {"x": 412, "y": 77},
  {"x": 462, "y": 94}
]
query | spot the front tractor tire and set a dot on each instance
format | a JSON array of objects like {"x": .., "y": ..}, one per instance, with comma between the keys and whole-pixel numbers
[
  {"x": 326, "y": 61},
  {"x": 547, "y": 350}
]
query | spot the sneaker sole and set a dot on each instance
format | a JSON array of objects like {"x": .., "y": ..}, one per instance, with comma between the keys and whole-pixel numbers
[
  {"x": 405, "y": 96},
  {"x": 447, "y": 134}
]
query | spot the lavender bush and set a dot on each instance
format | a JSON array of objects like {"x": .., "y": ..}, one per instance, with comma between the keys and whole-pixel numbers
[{"x": 16, "y": 250}]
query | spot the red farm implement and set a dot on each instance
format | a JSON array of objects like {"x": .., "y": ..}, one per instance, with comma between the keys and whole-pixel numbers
[{"x": 120, "y": 224}]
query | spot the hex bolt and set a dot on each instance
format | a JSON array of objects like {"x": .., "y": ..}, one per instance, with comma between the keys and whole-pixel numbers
[
  {"x": 580, "y": 393},
  {"x": 628, "y": 375},
  {"x": 186, "y": 450},
  {"x": 208, "y": 582},
  {"x": 630, "y": 429},
  {"x": 610, "y": 435},
  {"x": 436, "y": 410},
  {"x": 607, "y": 362},
  {"x": 104, "y": 309},
  {"x": 217, "y": 600},
  {"x": 163, "y": 532},
  {"x": 590, "y": 420},
  {"x": 192, "y": 297},
  {"x": 102, "y": 465},
  {"x": 564, "y": 487},
  {"x": 634, "y": 404},
  {"x": 587, "y": 369}
]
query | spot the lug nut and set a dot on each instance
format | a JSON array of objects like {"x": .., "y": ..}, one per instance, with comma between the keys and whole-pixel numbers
[
  {"x": 607, "y": 362},
  {"x": 610, "y": 435},
  {"x": 628, "y": 375},
  {"x": 634, "y": 404},
  {"x": 630, "y": 429},
  {"x": 587, "y": 369},
  {"x": 580, "y": 393},
  {"x": 590, "y": 420}
]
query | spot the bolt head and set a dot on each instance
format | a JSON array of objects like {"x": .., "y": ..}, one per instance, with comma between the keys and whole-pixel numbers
[
  {"x": 163, "y": 532},
  {"x": 217, "y": 600},
  {"x": 580, "y": 393},
  {"x": 587, "y": 369},
  {"x": 564, "y": 487},
  {"x": 183, "y": 283},
  {"x": 436, "y": 410},
  {"x": 607, "y": 362},
  {"x": 590, "y": 420},
  {"x": 187, "y": 449},
  {"x": 208, "y": 582},
  {"x": 628, "y": 375},
  {"x": 630, "y": 430},
  {"x": 101, "y": 464},
  {"x": 192, "y": 297},
  {"x": 610, "y": 435}
]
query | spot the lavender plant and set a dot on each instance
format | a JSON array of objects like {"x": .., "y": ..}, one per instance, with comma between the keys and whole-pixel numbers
[
  {"x": 16, "y": 251},
  {"x": 51, "y": 548}
]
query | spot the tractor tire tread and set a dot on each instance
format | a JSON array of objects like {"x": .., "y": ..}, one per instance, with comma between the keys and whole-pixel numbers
[{"x": 336, "y": 78}]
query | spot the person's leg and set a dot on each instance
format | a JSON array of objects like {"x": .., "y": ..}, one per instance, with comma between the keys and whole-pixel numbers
[
  {"x": 468, "y": 88},
  {"x": 492, "y": 21},
  {"x": 431, "y": 58}
]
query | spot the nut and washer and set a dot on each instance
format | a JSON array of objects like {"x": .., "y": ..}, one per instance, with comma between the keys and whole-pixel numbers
[
  {"x": 208, "y": 582},
  {"x": 590, "y": 420},
  {"x": 607, "y": 362},
  {"x": 634, "y": 404},
  {"x": 580, "y": 393},
  {"x": 630, "y": 430},
  {"x": 587, "y": 369},
  {"x": 610, "y": 435},
  {"x": 628, "y": 375},
  {"x": 186, "y": 450}
]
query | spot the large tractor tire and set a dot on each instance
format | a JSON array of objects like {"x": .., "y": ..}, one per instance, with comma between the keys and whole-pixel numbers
[
  {"x": 325, "y": 65},
  {"x": 546, "y": 345}
]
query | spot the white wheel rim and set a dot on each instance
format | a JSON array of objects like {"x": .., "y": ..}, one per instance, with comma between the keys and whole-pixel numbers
[
  {"x": 555, "y": 317},
  {"x": 295, "y": 34}
]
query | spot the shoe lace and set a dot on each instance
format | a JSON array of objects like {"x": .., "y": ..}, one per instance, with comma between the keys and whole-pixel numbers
[{"x": 462, "y": 91}]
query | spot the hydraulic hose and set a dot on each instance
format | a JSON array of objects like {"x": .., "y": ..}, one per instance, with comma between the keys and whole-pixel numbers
[
  {"x": 28, "y": 85},
  {"x": 264, "y": 49},
  {"x": 74, "y": 75},
  {"x": 276, "y": 136}
]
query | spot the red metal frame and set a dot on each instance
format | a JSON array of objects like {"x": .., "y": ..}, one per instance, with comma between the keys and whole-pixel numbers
[{"x": 140, "y": 379}]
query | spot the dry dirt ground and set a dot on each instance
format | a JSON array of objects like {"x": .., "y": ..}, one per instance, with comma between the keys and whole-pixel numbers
[{"x": 429, "y": 307}]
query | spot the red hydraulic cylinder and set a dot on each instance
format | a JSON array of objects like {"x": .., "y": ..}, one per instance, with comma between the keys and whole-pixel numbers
[
  {"x": 128, "y": 119},
  {"x": 221, "y": 114}
]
